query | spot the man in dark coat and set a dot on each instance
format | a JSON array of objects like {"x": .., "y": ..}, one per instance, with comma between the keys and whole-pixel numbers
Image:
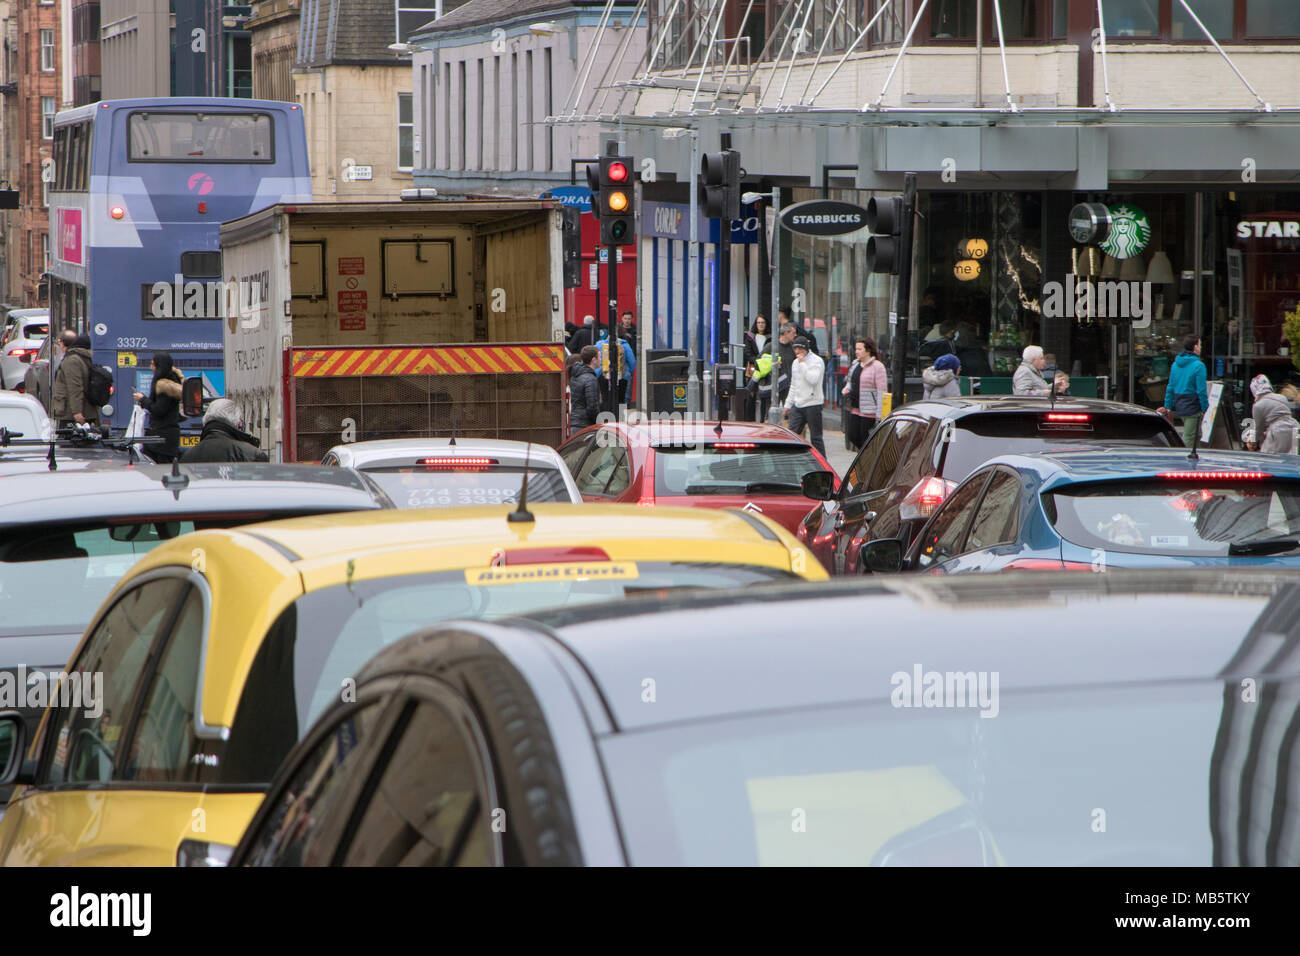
[
  {"x": 69, "y": 394},
  {"x": 223, "y": 437},
  {"x": 584, "y": 390},
  {"x": 584, "y": 336}
]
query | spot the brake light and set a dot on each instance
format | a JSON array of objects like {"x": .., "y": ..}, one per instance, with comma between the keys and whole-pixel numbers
[
  {"x": 925, "y": 498},
  {"x": 1067, "y": 417},
  {"x": 1046, "y": 564},
  {"x": 1215, "y": 475},
  {"x": 734, "y": 444},
  {"x": 553, "y": 555},
  {"x": 457, "y": 464},
  {"x": 19, "y": 352}
]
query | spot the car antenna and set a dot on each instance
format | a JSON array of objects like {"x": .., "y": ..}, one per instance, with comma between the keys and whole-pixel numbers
[
  {"x": 54, "y": 462},
  {"x": 521, "y": 512},
  {"x": 175, "y": 482}
]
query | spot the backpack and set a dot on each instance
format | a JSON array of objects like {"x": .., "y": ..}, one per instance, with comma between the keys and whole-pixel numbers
[{"x": 99, "y": 385}]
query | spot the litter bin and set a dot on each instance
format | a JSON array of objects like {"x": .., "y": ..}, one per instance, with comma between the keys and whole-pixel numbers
[{"x": 666, "y": 375}]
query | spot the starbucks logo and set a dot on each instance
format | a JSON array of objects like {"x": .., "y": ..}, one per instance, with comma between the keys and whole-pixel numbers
[{"x": 1130, "y": 231}]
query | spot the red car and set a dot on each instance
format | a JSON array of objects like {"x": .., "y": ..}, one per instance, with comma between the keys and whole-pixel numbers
[{"x": 746, "y": 465}]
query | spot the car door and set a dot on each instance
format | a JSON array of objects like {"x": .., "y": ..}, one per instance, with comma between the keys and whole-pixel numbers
[
  {"x": 944, "y": 537},
  {"x": 117, "y": 779},
  {"x": 992, "y": 538},
  {"x": 857, "y": 512}
]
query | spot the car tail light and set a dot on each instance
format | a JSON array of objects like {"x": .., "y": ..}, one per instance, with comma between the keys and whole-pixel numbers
[
  {"x": 823, "y": 538},
  {"x": 1215, "y": 475},
  {"x": 1067, "y": 417},
  {"x": 514, "y": 556},
  {"x": 20, "y": 352},
  {"x": 734, "y": 444},
  {"x": 457, "y": 464},
  {"x": 1046, "y": 564},
  {"x": 925, "y": 498}
]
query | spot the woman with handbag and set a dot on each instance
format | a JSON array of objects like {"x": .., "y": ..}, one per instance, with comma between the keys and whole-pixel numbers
[
  {"x": 866, "y": 384},
  {"x": 163, "y": 403}
]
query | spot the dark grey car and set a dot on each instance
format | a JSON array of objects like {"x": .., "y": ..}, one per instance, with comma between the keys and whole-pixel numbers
[{"x": 971, "y": 721}]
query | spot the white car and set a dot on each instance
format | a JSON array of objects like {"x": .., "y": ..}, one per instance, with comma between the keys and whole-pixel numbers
[
  {"x": 25, "y": 330},
  {"x": 23, "y": 415},
  {"x": 434, "y": 473}
]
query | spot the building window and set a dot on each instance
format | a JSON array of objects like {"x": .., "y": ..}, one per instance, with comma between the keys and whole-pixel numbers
[
  {"x": 239, "y": 64},
  {"x": 45, "y": 251},
  {"x": 549, "y": 83},
  {"x": 480, "y": 121},
  {"x": 47, "y": 51},
  {"x": 47, "y": 117},
  {"x": 409, "y": 17},
  {"x": 405, "y": 132},
  {"x": 1270, "y": 18}
]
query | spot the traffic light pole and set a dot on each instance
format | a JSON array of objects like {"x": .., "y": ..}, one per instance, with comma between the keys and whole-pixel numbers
[
  {"x": 774, "y": 260},
  {"x": 615, "y": 349},
  {"x": 903, "y": 293},
  {"x": 693, "y": 288}
]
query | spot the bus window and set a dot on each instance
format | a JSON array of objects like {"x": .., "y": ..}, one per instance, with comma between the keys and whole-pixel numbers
[
  {"x": 201, "y": 265},
  {"x": 210, "y": 137}
]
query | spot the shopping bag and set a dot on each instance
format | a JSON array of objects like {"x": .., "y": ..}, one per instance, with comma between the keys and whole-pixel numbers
[{"x": 139, "y": 422}]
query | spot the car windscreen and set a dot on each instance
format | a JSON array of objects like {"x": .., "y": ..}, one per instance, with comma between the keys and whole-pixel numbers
[
  {"x": 732, "y": 468},
  {"x": 323, "y": 639},
  {"x": 977, "y": 438},
  {"x": 53, "y": 579},
  {"x": 875, "y": 784},
  {"x": 415, "y": 486},
  {"x": 1185, "y": 517}
]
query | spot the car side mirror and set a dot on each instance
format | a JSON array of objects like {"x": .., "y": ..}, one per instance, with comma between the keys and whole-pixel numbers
[
  {"x": 192, "y": 397},
  {"x": 882, "y": 554},
  {"x": 818, "y": 485},
  {"x": 14, "y": 765}
]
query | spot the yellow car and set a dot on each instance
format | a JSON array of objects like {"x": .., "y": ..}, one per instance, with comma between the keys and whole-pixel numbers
[{"x": 220, "y": 648}]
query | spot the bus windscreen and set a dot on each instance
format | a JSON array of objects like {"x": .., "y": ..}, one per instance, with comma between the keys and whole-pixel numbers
[{"x": 210, "y": 137}]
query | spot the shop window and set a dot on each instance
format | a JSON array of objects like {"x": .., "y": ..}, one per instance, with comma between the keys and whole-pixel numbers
[{"x": 1271, "y": 18}]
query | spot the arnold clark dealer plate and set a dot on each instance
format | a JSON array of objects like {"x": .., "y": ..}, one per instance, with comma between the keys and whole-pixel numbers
[{"x": 824, "y": 217}]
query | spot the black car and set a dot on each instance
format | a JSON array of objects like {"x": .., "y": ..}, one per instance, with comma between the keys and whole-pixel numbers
[
  {"x": 918, "y": 454},
  {"x": 953, "y": 731},
  {"x": 67, "y": 537}
]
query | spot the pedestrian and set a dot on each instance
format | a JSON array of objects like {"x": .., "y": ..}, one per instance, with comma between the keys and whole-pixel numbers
[
  {"x": 584, "y": 393},
  {"x": 1185, "y": 395},
  {"x": 940, "y": 379},
  {"x": 1027, "y": 380},
  {"x": 783, "y": 318},
  {"x": 803, "y": 403},
  {"x": 583, "y": 336},
  {"x": 69, "y": 392},
  {"x": 1275, "y": 427},
  {"x": 223, "y": 437},
  {"x": 625, "y": 368},
  {"x": 163, "y": 403},
  {"x": 67, "y": 338},
  {"x": 627, "y": 329},
  {"x": 867, "y": 383}
]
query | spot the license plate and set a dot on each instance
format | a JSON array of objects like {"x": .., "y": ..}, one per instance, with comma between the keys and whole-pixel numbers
[{"x": 189, "y": 441}]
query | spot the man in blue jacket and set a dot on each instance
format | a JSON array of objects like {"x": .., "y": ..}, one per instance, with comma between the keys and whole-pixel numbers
[
  {"x": 626, "y": 367},
  {"x": 1186, "y": 395}
]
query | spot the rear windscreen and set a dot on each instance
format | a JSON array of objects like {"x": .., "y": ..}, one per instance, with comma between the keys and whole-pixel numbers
[
  {"x": 416, "y": 486},
  {"x": 977, "y": 438},
  {"x": 1180, "y": 517},
  {"x": 710, "y": 470},
  {"x": 200, "y": 137},
  {"x": 36, "y": 330}
]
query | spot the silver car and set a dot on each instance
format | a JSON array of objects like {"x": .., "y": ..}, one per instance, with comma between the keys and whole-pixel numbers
[{"x": 434, "y": 473}]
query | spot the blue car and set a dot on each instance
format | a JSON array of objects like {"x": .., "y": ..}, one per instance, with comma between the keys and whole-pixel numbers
[{"x": 1110, "y": 507}]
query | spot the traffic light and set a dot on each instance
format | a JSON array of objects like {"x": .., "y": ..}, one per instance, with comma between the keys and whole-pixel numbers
[
  {"x": 885, "y": 247},
  {"x": 720, "y": 184},
  {"x": 593, "y": 186},
  {"x": 614, "y": 198},
  {"x": 572, "y": 255}
]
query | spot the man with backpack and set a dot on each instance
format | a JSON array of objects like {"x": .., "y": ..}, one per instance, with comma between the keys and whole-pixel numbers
[{"x": 75, "y": 386}]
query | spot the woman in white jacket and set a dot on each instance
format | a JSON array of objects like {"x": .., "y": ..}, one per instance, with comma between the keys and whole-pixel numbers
[{"x": 940, "y": 379}]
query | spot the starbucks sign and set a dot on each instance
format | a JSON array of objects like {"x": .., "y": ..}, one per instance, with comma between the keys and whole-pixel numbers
[{"x": 1130, "y": 231}]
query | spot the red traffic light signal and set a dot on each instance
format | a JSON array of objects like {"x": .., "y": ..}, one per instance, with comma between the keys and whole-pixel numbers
[{"x": 617, "y": 172}]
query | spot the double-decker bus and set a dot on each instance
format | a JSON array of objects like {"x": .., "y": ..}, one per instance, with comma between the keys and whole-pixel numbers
[{"x": 140, "y": 190}]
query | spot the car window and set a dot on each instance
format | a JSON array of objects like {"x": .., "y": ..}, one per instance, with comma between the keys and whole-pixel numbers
[
  {"x": 164, "y": 739},
  {"x": 855, "y": 479},
  {"x": 914, "y": 436},
  {"x": 943, "y": 537},
  {"x": 426, "y": 809},
  {"x": 329, "y": 461},
  {"x": 112, "y": 666},
  {"x": 293, "y": 834},
  {"x": 996, "y": 520},
  {"x": 891, "y": 450},
  {"x": 600, "y": 467},
  {"x": 416, "y": 486},
  {"x": 572, "y": 453}
]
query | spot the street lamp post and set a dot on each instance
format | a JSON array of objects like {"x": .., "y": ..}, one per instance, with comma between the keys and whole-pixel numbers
[{"x": 774, "y": 261}]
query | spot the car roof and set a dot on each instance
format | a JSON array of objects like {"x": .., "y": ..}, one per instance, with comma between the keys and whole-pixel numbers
[
  {"x": 780, "y": 648},
  {"x": 958, "y": 407},
  {"x": 107, "y": 489},
  {"x": 688, "y": 432},
  {"x": 359, "y": 454},
  {"x": 1132, "y": 461}
]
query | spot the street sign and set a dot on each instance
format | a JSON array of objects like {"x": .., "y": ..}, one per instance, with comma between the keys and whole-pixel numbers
[
  {"x": 358, "y": 174},
  {"x": 579, "y": 196}
]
